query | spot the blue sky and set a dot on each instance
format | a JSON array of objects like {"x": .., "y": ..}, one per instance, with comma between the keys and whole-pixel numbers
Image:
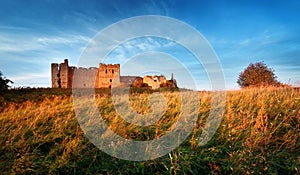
[{"x": 33, "y": 34}]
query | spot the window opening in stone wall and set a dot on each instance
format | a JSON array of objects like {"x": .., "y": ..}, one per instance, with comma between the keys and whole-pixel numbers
[
  {"x": 112, "y": 71},
  {"x": 106, "y": 71},
  {"x": 110, "y": 80}
]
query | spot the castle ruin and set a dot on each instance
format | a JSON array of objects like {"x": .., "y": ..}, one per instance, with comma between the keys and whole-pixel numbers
[{"x": 103, "y": 77}]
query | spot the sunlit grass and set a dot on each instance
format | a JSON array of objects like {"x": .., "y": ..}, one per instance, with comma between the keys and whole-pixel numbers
[{"x": 259, "y": 134}]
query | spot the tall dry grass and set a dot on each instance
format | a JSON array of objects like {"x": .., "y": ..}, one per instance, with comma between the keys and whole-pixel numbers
[{"x": 259, "y": 134}]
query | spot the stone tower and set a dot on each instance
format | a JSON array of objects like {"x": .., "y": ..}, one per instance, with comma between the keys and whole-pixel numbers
[
  {"x": 55, "y": 75},
  {"x": 63, "y": 74},
  {"x": 108, "y": 74}
]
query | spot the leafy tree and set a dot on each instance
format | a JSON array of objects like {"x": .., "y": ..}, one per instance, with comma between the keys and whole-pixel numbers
[
  {"x": 4, "y": 82},
  {"x": 257, "y": 74}
]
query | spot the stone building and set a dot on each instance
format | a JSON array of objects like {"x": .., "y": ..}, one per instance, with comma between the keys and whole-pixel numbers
[
  {"x": 154, "y": 81},
  {"x": 62, "y": 76}
]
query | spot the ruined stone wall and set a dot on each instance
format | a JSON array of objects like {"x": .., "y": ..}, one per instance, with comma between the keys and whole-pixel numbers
[
  {"x": 85, "y": 77},
  {"x": 62, "y": 76},
  {"x": 132, "y": 81},
  {"x": 70, "y": 76},
  {"x": 154, "y": 81}
]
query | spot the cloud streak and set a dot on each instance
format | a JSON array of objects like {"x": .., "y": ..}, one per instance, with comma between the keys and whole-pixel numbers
[{"x": 15, "y": 43}]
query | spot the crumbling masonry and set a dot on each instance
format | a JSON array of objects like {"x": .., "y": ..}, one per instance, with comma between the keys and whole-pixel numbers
[{"x": 106, "y": 74}]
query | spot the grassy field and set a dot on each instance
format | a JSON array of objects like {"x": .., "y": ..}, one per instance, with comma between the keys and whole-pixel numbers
[{"x": 259, "y": 134}]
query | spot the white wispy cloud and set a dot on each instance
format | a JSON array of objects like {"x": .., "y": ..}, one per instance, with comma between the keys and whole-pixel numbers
[
  {"x": 69, "y": 39},
  {"x": 8, "y": 27},
  {"x": 140, "y": 45},
  {"x": 21, "y": 43},
  {"x": 32, "y": 79},
  {"x": 148, "y": 43},
  {"x": 30, "y": 76}
]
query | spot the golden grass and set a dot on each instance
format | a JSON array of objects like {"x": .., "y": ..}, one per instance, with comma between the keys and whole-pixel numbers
[{"x": 259, "y": 134}]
